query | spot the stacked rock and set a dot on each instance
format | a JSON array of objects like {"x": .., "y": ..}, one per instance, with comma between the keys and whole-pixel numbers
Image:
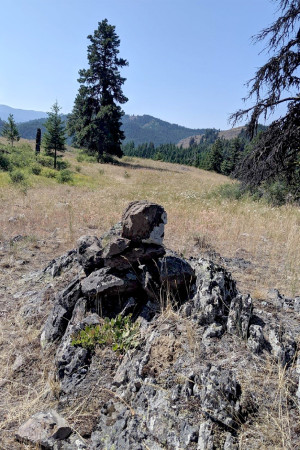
[{"x": 128, "y": 270}]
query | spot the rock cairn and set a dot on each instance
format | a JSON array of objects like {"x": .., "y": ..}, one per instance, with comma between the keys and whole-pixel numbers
[{"x": 172, "y": 391}]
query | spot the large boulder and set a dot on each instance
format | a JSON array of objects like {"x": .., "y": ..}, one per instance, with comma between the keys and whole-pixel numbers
[
  {"x": 144, "y": 221},
  {"x": 89, "y": 253}
]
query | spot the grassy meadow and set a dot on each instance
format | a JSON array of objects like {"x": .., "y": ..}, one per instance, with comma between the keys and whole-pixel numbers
[{"x": 204, "y": 216}]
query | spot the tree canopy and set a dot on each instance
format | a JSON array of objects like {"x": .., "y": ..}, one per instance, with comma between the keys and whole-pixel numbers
[{"x": 95, "y": 121}]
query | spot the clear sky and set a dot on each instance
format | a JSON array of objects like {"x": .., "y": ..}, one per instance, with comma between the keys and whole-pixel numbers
[{"x": 189, "y": 60}]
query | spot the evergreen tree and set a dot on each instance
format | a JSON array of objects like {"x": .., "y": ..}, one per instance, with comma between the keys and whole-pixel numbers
[
  {"x": 95, "y": 121},
  {"x": 38, "y": 141},
  {"x": 216, "y": 156},
  {"x": 54, "y": 138},
  {"x": 10, "y": 130}
]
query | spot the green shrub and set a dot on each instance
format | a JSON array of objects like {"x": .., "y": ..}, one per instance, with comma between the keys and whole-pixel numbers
[
  {"x": 45, "y": 161},
  {"x": 4, "y": 162},
  {"x": 106, "y": 158},
  {"x": 276, "y": 193},
  {"x": 84, "y": 157},
  {"x": 62, "y": 165},
  {"x": 17, "y": 176},
  {"x": 78, "y": 168},
  {"x": 50, "y": 173},
  {"x": 120, "y": 333},
  {"x": 36, "y": 169},
  {"x": 229, "y": 191},
  {"x": 64, "y": 176}
]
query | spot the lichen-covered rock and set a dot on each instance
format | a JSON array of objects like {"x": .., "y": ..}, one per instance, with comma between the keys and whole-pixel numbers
[
  {"x": 215, "y": 289},
  {"x": 66, "y": 261},
  {"x": 256, "y": 340},
  {"x": 239, "y": 315},
  {"x": 44, "y": 429},
  {"x": 103, "y": 282},
  {"x": 144, "y": 222},
  {"x": 89, "y": 253}
]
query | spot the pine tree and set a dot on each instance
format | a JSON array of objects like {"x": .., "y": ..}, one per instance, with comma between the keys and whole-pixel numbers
[
  {"x": 216, "y": 156},
  {"x": 10, "y": 130},
  {"x": 95, "y": 121},
  {"x": 54, "y": 139}
]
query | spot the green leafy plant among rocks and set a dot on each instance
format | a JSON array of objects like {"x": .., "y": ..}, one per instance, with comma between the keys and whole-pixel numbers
[{"x": 120, "y": 333}]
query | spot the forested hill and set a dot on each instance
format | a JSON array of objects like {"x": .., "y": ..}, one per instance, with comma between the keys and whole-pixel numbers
[{"x": 139, "y": 129}]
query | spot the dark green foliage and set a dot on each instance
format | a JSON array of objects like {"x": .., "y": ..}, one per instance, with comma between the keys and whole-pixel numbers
[
  {"x": 10, "y": 130},
  {"x": 215, "y": 157},
  {"x": 64, "y": 176},
  {"x": 17, "y": 176},
  {"x": 36, "y": 169},
  {"x": 4, "y": 162},
  {"x": 45, "y": 161},
  {"x": 120, "y": 333},
  {"x": 62, "y": 165},
  {"x": 54, "y": 139},
  {"x": 95, "y": 121}
]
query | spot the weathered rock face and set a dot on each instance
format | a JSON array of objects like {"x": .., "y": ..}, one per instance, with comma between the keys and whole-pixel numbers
[
  {"x": 183, "y": 386},
  {"x": 144, "y": 222}
]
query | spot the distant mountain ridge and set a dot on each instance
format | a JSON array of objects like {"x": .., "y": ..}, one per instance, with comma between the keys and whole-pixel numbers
[
  {"x": 20, "y": 115},
  {"x": 139, "y": 129}
]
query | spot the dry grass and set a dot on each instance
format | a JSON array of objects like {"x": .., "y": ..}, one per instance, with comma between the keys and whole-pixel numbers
[
  {"x": 52, "y": 216},
  {"x": 268, "y": 237}
]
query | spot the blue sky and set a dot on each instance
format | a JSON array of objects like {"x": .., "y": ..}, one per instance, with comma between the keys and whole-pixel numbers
[{"x": 189, "y": 60}]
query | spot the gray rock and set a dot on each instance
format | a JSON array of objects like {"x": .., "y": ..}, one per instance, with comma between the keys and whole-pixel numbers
[
  {"x": 220, "y": 395},
  {"x": 297, "y": 304},
  {"x": 135, "y": 255},
  {"x": 115, "y": 246},
  {"x": 103, "y": 282},
  {"x": 144, "y": 222},
  {"x": 61, "y": 313},
  {"x": 275, "y": 298},
  {"x": 283, "y": 345},
  {"x": 205, "y": 439},
  {"x": 73, "y": 362},
  {"x": 215, "y": 289},
  {"x": 43, "y": 429},
  {"x": 89, "y": 253},
  {"x": 239, "y": 316},
  {"x": 176, "y": 275},
  {"x": 256, "y": 340},
  {"x": 64, "y": 262}
]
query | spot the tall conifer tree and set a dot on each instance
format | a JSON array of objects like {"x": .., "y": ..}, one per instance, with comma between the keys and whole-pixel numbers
[{"x": 95, "y": 121}]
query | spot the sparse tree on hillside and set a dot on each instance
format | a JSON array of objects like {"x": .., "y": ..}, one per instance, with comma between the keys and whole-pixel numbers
[
  {"x": 10, "y": 130},
  {"x": 38, "y": 141},
  {"x": 275, "y": 156},
  {"x": 95, "y": 121},
  {"x": 54, "y": 138}
]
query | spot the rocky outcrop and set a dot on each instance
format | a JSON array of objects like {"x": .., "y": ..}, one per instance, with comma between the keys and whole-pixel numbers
[{"x": 182, "y": 386}]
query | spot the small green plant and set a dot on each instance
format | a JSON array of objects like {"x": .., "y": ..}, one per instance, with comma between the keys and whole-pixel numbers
[
  {"x": 17, "y": 176},
  {"x": 45, "y": 161},
  {"x": 4, "y": 162},
  {"x": 229, "y": 191},
  {"x": 78, "y": 169},
  {"x": 64, "y": 176},
  {"x": 120, "y": 333},
  {"x": 62, "y": 165},
  {"x": 36, "y": 169},
  {"x": 50, "y": 173}
]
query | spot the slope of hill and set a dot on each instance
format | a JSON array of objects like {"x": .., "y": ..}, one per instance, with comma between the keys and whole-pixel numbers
[
  {"x": 20, "y": 115},
  {"x": 225, "y": 134},
  {"x": 139, "y": 129},
  {"x": 146, "y": 128}
]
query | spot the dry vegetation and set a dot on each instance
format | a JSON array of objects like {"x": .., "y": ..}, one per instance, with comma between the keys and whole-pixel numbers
[{"x": 51, "y": 216}]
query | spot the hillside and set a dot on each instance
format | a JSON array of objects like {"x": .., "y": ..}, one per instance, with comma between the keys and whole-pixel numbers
[
  {"x": 225, "y": 134},
  {"x": 139, "y": 129},
  {"x": 196, "y": 368}
]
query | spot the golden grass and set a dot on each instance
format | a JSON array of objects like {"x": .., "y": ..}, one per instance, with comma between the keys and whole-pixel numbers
[{"x": 267, "y": 237}]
